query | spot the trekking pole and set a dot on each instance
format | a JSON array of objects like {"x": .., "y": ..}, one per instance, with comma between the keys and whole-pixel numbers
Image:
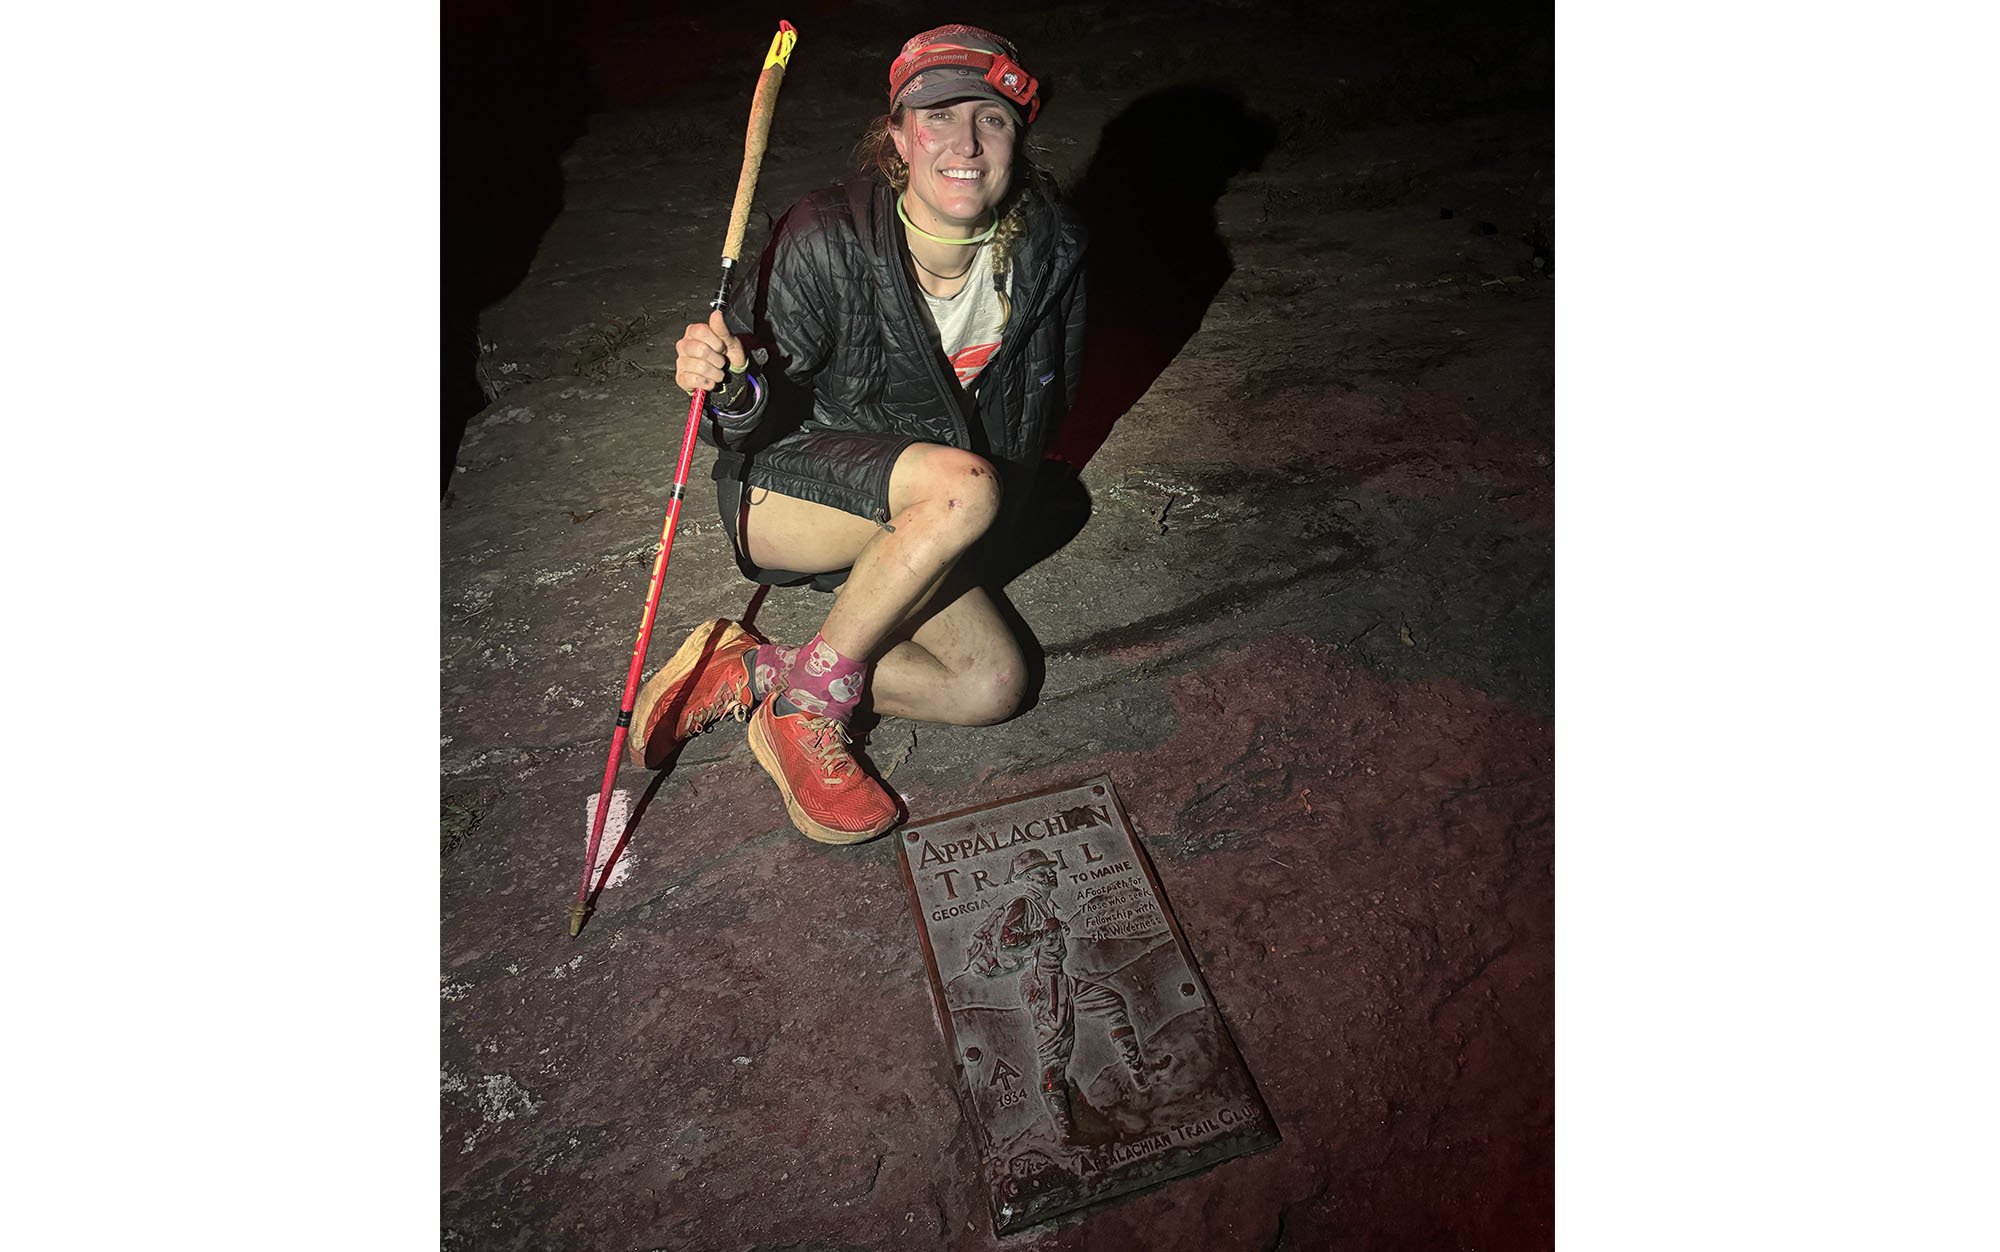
[{"x": 761, "y": 107}]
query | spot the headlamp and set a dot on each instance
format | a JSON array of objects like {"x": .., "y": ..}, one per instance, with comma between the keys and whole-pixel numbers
[{"x": 1003, "y": 72}]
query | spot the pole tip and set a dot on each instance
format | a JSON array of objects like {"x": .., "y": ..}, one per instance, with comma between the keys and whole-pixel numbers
[{"x": 577, "y": 912}]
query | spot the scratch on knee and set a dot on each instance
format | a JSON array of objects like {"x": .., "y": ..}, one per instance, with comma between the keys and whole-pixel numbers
[{"x": 951, "y": 504}]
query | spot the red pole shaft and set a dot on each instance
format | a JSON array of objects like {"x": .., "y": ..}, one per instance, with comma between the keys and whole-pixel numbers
[
  {"x": 639, "y": 649},
  {"x": 754, "y": 140}
]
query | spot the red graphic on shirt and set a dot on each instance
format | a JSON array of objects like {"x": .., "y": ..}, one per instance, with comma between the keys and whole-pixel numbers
[{"x": 969, "y": 362}]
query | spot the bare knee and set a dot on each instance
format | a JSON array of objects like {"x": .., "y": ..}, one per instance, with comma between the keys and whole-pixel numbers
[
  {"x": 962, "y": 488},
  {"x": 991, "y": 694},
  {"x": 969, "y": 489}
]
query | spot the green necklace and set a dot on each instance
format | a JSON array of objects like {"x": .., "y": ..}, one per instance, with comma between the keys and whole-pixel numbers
[{"x": 957, "y": 243}]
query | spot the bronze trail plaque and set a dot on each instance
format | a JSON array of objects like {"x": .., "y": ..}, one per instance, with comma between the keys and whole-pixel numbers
[{"x": 1089, "y": 1053}]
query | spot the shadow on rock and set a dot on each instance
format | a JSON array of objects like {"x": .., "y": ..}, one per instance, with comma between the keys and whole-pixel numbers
[
  {"x": 1156, "y": 261},
  {"x": 1055, "y": 511},
  {"x": 514, "y": 96},
  {"x": 1058, "y": 507}
]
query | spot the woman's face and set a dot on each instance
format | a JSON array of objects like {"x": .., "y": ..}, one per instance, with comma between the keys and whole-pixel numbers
[{"x": 961, "y": 158}]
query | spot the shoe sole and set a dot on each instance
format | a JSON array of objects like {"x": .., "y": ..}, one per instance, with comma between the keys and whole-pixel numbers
[
  {"x": 678, "y": 666},
  {"x": 768, "y": 758}
]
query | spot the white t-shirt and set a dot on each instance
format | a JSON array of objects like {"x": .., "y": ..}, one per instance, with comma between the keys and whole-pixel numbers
[{"x": 968, "y": 323}]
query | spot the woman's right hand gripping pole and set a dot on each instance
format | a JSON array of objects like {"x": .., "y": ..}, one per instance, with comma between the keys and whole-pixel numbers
[{"x": 707, "y": 356}]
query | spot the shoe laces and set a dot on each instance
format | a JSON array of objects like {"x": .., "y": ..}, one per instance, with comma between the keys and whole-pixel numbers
[
  {"x": 828, "y": 742},
  {"x": 731, "y": 700},
  {"x": 726, "y": 705}
]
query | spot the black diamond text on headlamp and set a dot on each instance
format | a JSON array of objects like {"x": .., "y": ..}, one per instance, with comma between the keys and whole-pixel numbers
[{"x": 1005, "y": 73}]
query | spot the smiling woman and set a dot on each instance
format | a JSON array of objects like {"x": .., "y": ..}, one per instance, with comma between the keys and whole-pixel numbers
[
  {"x": 960, "y": 157},
  {"x": 882, "y": 397}
]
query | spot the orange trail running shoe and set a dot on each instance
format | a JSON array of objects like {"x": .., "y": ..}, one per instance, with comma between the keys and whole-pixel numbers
[
  {"x": 707, "y": 680},
  {"x": 830, "y": 797}
]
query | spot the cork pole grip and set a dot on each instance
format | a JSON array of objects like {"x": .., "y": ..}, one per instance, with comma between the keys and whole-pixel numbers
[{"x": 762, "y": 105}]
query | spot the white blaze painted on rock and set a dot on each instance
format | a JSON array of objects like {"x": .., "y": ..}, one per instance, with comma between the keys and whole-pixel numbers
[{"x": 614, "y": 830}]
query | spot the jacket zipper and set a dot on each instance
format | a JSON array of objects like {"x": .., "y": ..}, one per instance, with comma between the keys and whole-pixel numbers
[{"x": 953, "y": 395}]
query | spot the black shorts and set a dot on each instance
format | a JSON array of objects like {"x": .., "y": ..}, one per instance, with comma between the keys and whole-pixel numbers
[{"x": 799, "y": 467}]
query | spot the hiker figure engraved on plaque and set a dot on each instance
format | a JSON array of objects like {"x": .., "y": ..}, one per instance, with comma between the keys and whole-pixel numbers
[
  {"x": 1027, "y": 936},
  {"x": 1094, "y": 1062}
]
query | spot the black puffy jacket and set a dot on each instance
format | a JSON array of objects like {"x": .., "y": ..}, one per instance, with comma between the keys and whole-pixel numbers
[{"x": 840, "y": 345}]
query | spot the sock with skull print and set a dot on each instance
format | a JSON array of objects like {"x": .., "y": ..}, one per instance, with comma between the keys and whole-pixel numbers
[
  {"x": 768, "y": 665},
  {"x": 822, "y": 682}
]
